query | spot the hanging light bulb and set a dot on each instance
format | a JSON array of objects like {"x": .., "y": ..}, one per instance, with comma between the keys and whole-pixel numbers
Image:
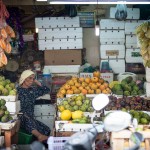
[{"x": 97, "y": 22}]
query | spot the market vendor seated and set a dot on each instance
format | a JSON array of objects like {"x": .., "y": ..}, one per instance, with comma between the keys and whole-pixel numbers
[{"x": 27, "y": 94}]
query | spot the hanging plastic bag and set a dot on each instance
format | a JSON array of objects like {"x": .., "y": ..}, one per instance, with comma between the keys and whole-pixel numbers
[{"x": 121, "y": 12}]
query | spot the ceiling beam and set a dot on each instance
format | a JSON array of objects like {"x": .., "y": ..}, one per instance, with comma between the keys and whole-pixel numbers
[{"x": 23, "y": 2}]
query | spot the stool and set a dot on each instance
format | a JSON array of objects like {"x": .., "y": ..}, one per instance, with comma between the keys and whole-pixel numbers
[{"x": 24, "y": 137}]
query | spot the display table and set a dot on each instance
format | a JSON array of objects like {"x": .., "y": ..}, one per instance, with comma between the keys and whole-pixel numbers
[{"x": 10, "y": 135}]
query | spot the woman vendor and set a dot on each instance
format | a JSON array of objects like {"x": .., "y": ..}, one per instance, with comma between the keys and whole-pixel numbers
[{"x": 27, "y": 94}]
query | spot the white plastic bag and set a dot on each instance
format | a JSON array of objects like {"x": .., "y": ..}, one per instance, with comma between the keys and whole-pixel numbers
[{"x": 121, "y": 12}]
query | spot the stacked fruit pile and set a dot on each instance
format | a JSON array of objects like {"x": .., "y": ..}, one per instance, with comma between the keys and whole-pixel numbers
[
  {"x": 74, "y": 117},
  {"x": 128, "y": 87},
  {"x": 129, "y": 103},
  {"x": 4, "y": 113},
  {"x": 94, "y": 85},
  {"x": 76, "y": 102},
  {"x": 7, "y": 87},
  {"x": 142, "y": 118}
]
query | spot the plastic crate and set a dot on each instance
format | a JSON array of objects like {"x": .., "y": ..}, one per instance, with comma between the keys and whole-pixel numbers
[
  {"x": 56, "y": 143},
  {"x": 24, "y": 137}
]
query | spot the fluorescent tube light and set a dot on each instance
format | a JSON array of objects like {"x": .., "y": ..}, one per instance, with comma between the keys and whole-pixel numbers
[
  {"x": 41, "y": 0},
  {"x": 95, "y": 2},
  {"x": 97, "y": 28},
  {"x": 36, "y": 30}
]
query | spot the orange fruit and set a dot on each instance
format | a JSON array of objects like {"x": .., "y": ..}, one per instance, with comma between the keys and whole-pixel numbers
[
  {"x": 73, "y": 87},
  {"x": 81, "y": 79},
  {"x": 87, "y": 80},
  {"x": 67, "y": 86},
  {"x": 94, "y": 79},
  {"x": 63, "y": 91},
  {"x": 102, "y": 87},
  {"x": 98, "y": 84},
  {"x": 93, "y": 86},
  {"x": 80, "y": 88},
  {"x": 98, "y": 91},
  {"x": 96, "y": 74},
  {"x": 77, "y": 84},
  {"x": 84, "y": 91},
  {"x": 101, "y": 80},
  {"x": 106, "y": 84},
  {"x": 104, "y": 91}
]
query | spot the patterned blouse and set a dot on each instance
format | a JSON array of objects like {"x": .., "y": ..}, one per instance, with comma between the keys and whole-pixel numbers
[{"x": 27, "y": 97}]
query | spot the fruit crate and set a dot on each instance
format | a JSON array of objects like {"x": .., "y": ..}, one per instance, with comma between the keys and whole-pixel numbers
[{"x": 121, "y": 140}]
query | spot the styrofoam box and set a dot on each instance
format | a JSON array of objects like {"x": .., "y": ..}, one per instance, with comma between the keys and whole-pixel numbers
[
  {"x": 112, "y": 37},
  {"x": 111, "y": 24},
  {"x": 7, "y": 125},
  {"x": 13, "y": 107},
  {"x": 45, "y": 109},
  {"x": 132, "y": 13},
  {"x": 47, "y": 120},
  {"x": 60, "y": 33},
  {"x": 60, "y": 44},
  {"x": 133, "y": 56},
  {"x": 66, "y": 126},
  {"x": 9, "y": 98},
  {"x": 131, "y": 41},
  {"x": 131, "y": 25},
  {"x": 107, "y": 76},
  {"x": 112, "y": 51},
  {"x": 55, "y": 22},
  {"x": 63, "y": 69},
  {"x": 117, "y": 65}
]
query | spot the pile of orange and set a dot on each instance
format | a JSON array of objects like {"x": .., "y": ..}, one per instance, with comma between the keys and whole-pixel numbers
[{"x": 94, "y": 85}]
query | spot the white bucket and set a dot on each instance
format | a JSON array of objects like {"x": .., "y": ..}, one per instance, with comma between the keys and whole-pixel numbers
[
  {"x": 147, "y": 74},
  {"x": 122, "y": 76}
]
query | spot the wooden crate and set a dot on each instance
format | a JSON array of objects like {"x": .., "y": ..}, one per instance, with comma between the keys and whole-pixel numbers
[{"x": 121, "y": 140}]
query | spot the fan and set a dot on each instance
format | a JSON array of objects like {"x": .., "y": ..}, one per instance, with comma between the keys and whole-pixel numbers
[{"x": 28, "y": 56}]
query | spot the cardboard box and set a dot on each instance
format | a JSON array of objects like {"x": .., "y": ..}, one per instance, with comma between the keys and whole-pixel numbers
[{"x": 63, "y": 57}]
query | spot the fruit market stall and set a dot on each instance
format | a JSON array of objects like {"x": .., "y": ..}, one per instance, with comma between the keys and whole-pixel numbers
[
  {"x": 74, "y": 102},
  {"x": 9, "y": 107}
]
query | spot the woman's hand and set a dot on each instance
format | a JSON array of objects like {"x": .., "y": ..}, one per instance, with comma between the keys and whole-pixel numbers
[{"x": 37, "y": 82}]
